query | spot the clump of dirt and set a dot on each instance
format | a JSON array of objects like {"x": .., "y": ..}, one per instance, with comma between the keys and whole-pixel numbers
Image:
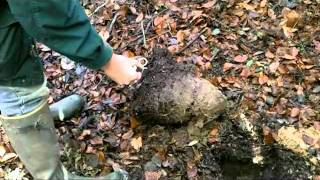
[{"x": 170, "y": 93}]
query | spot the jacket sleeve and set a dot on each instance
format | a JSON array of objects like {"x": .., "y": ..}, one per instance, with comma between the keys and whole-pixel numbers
[{"x": 63, "y": 26}]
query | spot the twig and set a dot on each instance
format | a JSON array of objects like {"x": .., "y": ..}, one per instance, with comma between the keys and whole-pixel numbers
[
  {"x": 191, "y": 42},
  {"x": 113, "y": 21},
  {"x": 144, "y": 35},
  {"x": 99, "y": 7}
]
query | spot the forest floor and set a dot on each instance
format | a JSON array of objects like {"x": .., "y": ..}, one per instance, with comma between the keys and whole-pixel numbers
[{"x": 263, "y": 55}]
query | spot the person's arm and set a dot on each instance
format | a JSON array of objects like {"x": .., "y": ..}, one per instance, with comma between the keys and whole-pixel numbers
[{"x": 63, "y": 26}]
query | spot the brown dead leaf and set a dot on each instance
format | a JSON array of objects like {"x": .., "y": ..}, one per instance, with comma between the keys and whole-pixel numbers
[
  {"x": 309, "y": 140},
  {"x": 317, "y": 45},
  {"x": 287, "y": 53},
  {"x": 96, "y": 141},
  {"x": 134, "y": 123},
  {"x": 140, "y": 17},
  {"x": 263, "y": 79},
  {"x": 192, "y": 171},
  {"x": 84, "y": 134},
  {"x": 240, "y": 58},
  {"x": 152, "y": 175},
  {"x": 228, "y": 66},
  {"x": 267, "y": 135},
  {"x": 180, "y": 36},
  {"x": 316, "y": 125},
  {"x": 128, "y": 134},
  {"x": 158, "y": 21},
  {"x": 269, "y": 55},
  {"x": 263, "y": 3},
  {"x": 212, "y": 138},
  {"x": 7, "y": 157},
  {"x": 273, "y": 67},
  {"x": 2, "y": 150},
  {"x": 245, "y": 72},
  {"x": 136, "y": 143},
  {"x": 209, "y": 4},
  {"x": 128, "y": 54},
  {"x": 295, "y": 112}
]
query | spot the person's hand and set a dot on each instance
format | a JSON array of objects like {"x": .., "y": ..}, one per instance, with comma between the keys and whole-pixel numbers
[{"x": 121, "y": 69}]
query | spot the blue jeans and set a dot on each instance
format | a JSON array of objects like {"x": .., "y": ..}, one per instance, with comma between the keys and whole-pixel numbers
[{"x": 15, "y": 101}]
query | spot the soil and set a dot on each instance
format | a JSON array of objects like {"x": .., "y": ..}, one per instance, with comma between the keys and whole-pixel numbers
[{"x": 170, "y": 93}]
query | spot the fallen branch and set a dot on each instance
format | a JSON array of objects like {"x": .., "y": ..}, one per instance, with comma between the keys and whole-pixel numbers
[
  {"x": 191, "y": 42},
  {"x": 144, "y": 35}
]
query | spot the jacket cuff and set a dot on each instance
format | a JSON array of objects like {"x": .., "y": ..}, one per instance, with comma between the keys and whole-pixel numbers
[{"x": 102, "y": 59}]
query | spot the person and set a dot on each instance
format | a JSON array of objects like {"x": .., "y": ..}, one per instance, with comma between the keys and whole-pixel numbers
[{"x": 26, "y": 116}]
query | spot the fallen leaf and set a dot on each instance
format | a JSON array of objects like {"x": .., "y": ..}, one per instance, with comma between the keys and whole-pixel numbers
[
  {"x": 84, "y": 134},
  {"x": 273, "y": 67},
  {"x": 228, "y": 66},
  {"x": 317, "y": 45},
  {"x": 316, "y": 125},
  {"x": 158, "y": 20},
  {"x": 2, "y": 151},
  {"x": 128, "y": 54},
  {"x": 128, "y": 134},
  {"x": 294, "y": 112},
  {"x": 152, "y": 175},
  {"x": 192, "y": 143},
  {"x": 209, "y": 4},
  {"x": 180, "y": 36},
  {"x": 241, "y": 58},
  {"x": 140, "y": 17},
  {"x": 134, "y": 123},
  {"x": 269, "y": 55},
  {"x": 192, "y": 171},
  {"x": 245, "y": 72},
  {"x": 96, "y": 141},
  {"x": 8, "y": 157},
  {"x": 136, "y": 143},
  {"x": 213, "y": 135},
  {"x": 263, "y": 79},
  {"x": 263, "y": 3},
  {"x": 308, "y": 140}
]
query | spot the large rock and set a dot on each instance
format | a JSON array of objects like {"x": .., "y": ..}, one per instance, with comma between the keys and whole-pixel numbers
[{"x": 170, "y": 93}]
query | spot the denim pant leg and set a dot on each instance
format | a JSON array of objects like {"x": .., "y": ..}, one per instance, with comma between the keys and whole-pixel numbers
[{"x": 15, "y": 101}]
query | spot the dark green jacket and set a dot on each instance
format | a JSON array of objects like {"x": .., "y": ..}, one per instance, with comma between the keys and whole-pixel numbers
[{"x": 62, "y": 25}]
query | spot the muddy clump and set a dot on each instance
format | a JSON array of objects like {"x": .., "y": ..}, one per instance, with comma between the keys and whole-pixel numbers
[{"x": 170, "y": 93}]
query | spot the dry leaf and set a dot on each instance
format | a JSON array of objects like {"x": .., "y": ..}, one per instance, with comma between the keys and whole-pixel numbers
[
  {"x": 228, "y": 66},
  {"x": 241, "y": 58},
  {"x": 128, "y": 134},
  {"x": 263, "y": 3},
  {"x": 96, "y": 141},
  {"x": 180, "y": 36},
  {"x": 317, "y": 45},
  {"x": 213, "y": 135},
  {"x": 8, "y": 157},
  {"x": 263, "y": 79},
  {"x": 269, "y": 55},
  {"x": 294, "y": 112},
  {"x": 134, "y": 123},
  {"x": 209, "y": 4},
  {"x": 128, "y": 54},
  {"x": 245, "y": 72},
  {"x": 152, "y": 175},
  {"x": 140, "y": 17},
  {"x": 136, "y": 143},
  {"x": 274, "y": 66},
  {"x": 2, "y": 151}
]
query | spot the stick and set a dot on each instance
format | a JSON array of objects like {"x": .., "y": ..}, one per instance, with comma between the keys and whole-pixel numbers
[
  {"x": 113, "y": 21},
  {"x": 98, "y": 8},
  {"x": 144, "y": 35},
  {"x": 191, "y": 42}
]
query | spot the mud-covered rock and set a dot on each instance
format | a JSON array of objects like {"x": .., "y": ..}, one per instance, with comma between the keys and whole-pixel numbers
[{"x": 170, "y": 93}]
